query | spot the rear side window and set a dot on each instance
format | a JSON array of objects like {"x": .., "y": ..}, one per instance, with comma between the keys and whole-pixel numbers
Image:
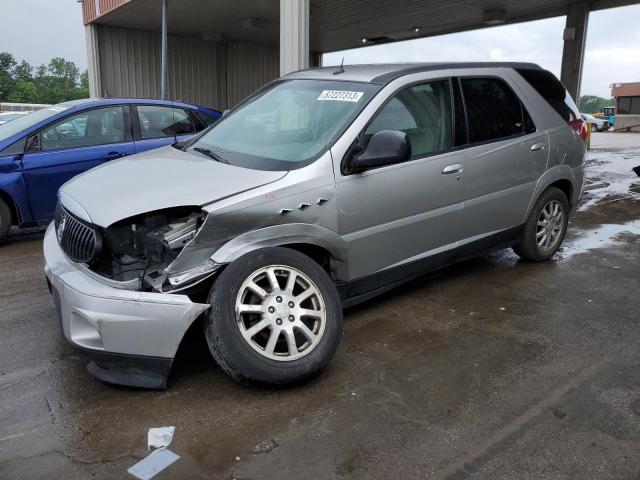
[
  {"x": 423, "y": 112},
  {"x": 493, "y": 109},
  {"x": 550, "y": 88},
  {"x": 157, "y": 122}
]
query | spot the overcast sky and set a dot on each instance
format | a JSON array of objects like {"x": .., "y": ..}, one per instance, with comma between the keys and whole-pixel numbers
[
  {"x": 612, "y": 55},
  {"x": 37, "y": 30}
]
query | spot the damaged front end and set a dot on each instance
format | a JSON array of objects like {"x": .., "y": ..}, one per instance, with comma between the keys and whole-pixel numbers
[{"x": 136, "y": 253}]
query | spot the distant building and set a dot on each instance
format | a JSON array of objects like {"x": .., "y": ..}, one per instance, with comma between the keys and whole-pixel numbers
[{"x": 627, "y": 97}]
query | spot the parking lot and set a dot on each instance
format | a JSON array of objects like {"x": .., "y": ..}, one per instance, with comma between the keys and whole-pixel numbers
[{"x": 494, "y": 368}]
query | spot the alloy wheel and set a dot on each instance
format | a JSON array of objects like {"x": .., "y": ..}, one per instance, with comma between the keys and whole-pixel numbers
[
  {"x": 280, "y": 313},
  {"x": 550, "y": 225}
]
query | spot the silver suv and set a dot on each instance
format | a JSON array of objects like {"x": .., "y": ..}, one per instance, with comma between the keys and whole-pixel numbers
[{"x": 322, "y": 189}]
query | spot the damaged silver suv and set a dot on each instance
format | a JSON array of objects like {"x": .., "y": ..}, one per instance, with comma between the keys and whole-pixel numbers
[{"x": 319, "y": 191}]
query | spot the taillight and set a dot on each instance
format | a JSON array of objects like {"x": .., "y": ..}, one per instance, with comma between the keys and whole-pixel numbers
[{"x": 580, "y": 127}]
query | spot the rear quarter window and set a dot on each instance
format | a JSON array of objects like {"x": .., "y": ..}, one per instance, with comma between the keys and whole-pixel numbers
[{"x": 552, "y": 90}]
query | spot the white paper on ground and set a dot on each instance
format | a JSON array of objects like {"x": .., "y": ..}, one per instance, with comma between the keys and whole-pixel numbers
[
  {"x": 153, "y": 464},
  {"x": 159, "y": 437}
]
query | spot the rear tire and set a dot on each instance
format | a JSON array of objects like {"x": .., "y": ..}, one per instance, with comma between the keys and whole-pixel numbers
[
  {"x": 545, "y": 227},
  {"x": 5, "y": 219},
  {"x": 266, "y": 334}
]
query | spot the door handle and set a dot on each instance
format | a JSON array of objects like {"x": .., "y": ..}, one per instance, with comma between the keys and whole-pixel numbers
[
  {"x": 451, "y": 169},
  {"x": 537, "y": 146},
  {"x": 112, "y": 155}
]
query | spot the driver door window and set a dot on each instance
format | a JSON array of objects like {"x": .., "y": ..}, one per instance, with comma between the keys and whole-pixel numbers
[
  {"x": 423, "y": 112},
  {"x": 101, "y": 126}
]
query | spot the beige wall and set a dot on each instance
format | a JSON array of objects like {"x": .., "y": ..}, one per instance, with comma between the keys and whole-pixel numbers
[
  {"x": 627, "y": 122},
  {"x": 208, "y": 73}
]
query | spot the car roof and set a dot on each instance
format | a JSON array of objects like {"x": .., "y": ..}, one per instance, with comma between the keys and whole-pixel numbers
[
  {"x": 140, "y": 101},
  {"x": 386, "y": 72}
]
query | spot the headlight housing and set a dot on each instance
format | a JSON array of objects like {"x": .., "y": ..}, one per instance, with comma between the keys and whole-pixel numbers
[{"x": 142, "y": 247}]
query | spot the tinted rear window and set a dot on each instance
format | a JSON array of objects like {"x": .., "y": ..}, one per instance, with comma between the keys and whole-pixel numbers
[
  {"x": 550, "y": 88},
  {"x": 493, "y": 110}
]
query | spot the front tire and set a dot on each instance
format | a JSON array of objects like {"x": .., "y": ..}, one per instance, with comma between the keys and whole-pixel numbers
[
  {"x": 545, "y": 227},
  {"x": 275, "y": 318},
  {"x": 5, "y": 219}
]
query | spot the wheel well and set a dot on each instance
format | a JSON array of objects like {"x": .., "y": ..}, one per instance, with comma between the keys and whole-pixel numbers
[
  {"x": 566, "y": 187},
  {"x": 318, "y": 254},
  {"x": 6, "y": 198}
]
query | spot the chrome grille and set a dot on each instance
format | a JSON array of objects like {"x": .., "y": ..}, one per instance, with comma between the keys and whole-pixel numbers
[{"x": 80, "y": 241}]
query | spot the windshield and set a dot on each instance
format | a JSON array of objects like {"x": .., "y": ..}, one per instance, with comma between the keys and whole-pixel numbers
[
  {"x": 23, "y": 122},
  {"x": 287, "y": 126}
]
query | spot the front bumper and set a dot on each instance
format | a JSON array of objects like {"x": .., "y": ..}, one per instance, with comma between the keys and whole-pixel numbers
[{"x": 132, "y": 336}]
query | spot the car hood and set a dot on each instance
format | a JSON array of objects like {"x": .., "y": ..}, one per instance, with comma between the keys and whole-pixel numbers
[{"x": 162, "y": 178}]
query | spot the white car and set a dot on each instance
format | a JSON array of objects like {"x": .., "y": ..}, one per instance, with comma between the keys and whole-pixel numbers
[
  {"x": 8, "y": 116},
  {"x": 597, "y": 124}
]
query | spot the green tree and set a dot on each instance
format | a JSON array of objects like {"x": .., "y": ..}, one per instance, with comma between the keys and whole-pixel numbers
[
  {"x": 23, "y": 71},
  {"x": 58, "y": 81},
  {"x": 594, "y": 103},
  {"x": 23, "y": 92},
  {"x": 84, "y": 80},
  {"x": 7, "y": 82}
]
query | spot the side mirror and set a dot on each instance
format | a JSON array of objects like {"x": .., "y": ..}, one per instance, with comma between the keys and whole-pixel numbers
[
  {"x": 386, "y": 147},
  {"x": 33, "y": 143},
  {"x": 224, "y": 113}
]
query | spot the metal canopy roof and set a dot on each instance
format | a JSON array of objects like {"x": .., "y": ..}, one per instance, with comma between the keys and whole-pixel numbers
[{"x": 335, "y": 24}]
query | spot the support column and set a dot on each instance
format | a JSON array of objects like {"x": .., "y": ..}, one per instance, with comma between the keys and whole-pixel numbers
[
  {"x": 164, "y": 53},
  {"x": 93, "y": 60},
  {"x": 294, "y": 35},
  {"x": 575, "y": 35}
]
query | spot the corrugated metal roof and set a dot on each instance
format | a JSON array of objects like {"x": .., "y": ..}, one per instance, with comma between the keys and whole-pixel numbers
[{"x": 334, "y": 24}]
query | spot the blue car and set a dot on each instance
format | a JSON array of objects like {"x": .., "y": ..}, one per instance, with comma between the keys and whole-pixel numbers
[{"x": 41, "y": 151}]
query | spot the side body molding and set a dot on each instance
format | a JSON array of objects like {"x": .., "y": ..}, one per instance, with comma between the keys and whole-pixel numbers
[{"x": 277, "y": 235}]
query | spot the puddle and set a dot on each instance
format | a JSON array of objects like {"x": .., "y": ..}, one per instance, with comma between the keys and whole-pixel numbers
[
  {"x": 610, "y": 178},
  {"x": 601, "y": 237}
]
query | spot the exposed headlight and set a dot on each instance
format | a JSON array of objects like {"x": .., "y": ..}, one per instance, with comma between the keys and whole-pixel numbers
[{"x": 142, "y": 247}]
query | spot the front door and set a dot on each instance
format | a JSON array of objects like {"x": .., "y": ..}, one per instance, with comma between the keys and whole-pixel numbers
[
  {"x": 69, "y": 147},
  {"x": 398, "y": 215}
]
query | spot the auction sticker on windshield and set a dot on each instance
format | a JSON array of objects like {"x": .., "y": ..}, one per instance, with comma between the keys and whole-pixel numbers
[{"x": 340, "y": 95}]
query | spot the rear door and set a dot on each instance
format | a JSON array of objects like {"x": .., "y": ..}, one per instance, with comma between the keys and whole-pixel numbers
[
  {"x": 506, "y": 156},
  {"x": 566, "y": 145},
  {"x": 71, "y": 146},
  {"x": 158, "y": 125}
]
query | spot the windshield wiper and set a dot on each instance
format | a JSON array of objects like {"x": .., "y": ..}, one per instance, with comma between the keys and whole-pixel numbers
[{"x": 211, "y": 154}]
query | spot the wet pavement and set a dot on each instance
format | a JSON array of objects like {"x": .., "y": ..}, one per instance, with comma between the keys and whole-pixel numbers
[{"x": 494, "y": 368}]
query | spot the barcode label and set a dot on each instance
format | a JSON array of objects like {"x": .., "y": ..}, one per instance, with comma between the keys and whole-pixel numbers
[{"x": 340, "y": 95}]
